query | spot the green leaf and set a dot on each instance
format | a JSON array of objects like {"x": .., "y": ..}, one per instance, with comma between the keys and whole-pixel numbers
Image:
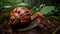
[
  {"x": 7, "y": 6},
  {"x": 48, "y": 10},
  {"x": 23, "y": 4},
  {"x": 56, "y": 18},
  {"x": 42, "y": 5}
]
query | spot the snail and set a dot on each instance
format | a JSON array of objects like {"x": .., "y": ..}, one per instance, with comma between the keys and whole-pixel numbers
[{"x": 20, "y": 14}]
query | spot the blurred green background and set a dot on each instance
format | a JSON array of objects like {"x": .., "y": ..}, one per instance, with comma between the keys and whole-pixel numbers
[{"x": 51, "y": 8}]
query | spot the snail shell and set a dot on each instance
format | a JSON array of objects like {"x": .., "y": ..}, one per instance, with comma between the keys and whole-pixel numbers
[{"x": 21, "y": 13}]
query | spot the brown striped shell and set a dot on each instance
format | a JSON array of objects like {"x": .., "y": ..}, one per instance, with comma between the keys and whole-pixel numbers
[{"x": 21, "y": 14}]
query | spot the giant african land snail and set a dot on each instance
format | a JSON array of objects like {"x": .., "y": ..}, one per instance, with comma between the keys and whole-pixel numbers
[{"x": 22, "y": 15}]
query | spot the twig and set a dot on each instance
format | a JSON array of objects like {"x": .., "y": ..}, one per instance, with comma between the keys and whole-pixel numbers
[{"x": 56, "y": 30}]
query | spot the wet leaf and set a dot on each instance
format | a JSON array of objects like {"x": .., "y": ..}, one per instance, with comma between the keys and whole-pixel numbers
[{"x": 47, "y": 10}]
